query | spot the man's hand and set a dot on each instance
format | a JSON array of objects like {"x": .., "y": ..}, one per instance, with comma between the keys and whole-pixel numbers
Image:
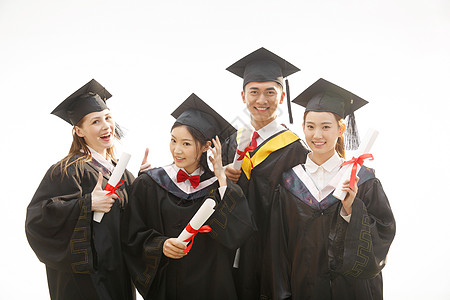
[{"x": 232, "y": 173}]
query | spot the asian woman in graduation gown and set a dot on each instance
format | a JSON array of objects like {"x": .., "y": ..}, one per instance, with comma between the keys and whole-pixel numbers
[
  {"x": 162, "y": 204},
  {"x": 83, "y": 258},
  {"x": 318, "y": 246}
]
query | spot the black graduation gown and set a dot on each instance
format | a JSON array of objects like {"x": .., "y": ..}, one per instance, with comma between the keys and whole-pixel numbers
[
  {"x": 159, "y": 210},
  {"x": 259, "y": 190},
  {"x": 83, "y": 258},
  {"x": 316, "y": 254}
]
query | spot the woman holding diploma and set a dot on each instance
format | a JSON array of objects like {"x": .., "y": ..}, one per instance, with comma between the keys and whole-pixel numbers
[
  {"x": 83, "y": 258},
  {"x": 320, "y": 247},
  {"x": 164, "y": 200}
]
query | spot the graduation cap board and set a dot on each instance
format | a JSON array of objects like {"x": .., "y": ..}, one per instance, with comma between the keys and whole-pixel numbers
[
  {"x": 263, "y": 65},
  {"x": 324, "y": 96},
  {"x": 89, "y": 98},
  {"x": 196, "y": 113}
]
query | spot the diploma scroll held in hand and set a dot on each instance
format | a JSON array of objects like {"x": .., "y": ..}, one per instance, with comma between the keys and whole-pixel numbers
[
  {"x": 243, "y": 147},
  {"x": 242, "y": 150},
  {"x": 353, "y": 166},
  {"x": 196, "y": 224},
  {"x": 114, "y": 181}
]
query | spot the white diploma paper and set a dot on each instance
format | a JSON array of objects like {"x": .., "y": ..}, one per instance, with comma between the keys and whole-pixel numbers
[
  {"x": 364, "y": 148},
  {"x": 197, "y": 221},
  {"x": 244, "y": 141},
  {"x": 115, "y": 178}
]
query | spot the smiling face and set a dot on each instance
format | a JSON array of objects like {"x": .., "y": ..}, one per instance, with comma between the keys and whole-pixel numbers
[
  {"x": 186, "y": 151},
  {"x": 321, "y": 131},
  {"x": 97, "y": 129},
  {"x": 262, "y": 99}
]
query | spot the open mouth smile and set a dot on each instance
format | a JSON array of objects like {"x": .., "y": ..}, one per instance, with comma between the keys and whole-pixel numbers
[{"x": 106, "y": 136}]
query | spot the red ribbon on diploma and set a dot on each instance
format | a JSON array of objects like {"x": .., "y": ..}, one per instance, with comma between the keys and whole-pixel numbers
[
  {"x": 244, "y": 153},
  {"x": 112, "y": 189},
  {"x": 356, "y": 161},
  {"x": 203, "y": 229}
]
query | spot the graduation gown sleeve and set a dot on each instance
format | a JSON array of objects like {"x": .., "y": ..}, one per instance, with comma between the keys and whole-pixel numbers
[
  {"x": 58, "y": 221},
  {"x": 232, "y": 223},
  {"x": 359, "y": 248}
]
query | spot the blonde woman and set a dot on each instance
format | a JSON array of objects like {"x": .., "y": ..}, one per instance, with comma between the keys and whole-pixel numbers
[{"x": 83, "y": 258}]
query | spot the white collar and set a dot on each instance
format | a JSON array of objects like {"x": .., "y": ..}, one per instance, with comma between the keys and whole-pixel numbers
[
  {"x": 270, "y": 129},
  {"x": 103, "y": 161},
  {"x": 303, "y": 175},
  {"x": 185, "y": 186},
  {"x": 331, "y": 164}
]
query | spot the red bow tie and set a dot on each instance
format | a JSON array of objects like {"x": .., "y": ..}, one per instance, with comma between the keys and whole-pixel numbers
[{"x": 183, "y": 176}]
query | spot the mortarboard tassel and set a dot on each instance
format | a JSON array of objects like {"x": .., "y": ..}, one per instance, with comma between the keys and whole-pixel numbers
[
  {"x": 288, "y": 98},
  {"x": 120, "y": 132},
  {"x": 351, "y": 138}
]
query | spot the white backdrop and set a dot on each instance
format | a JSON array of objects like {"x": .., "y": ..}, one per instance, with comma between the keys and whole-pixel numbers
[{"x": 152, "y": 54}]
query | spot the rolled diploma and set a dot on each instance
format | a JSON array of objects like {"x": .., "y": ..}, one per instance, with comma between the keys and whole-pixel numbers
[
  {"x": 364, "y": 148},
  {"x": 115, "y": 178},
  {"x": 244, "y": 141},
  {"x": 197, "y": 221}
]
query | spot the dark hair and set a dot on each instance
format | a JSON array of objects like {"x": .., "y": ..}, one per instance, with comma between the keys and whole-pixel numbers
[
  {"x": 340, "y": 145},
  {"x": 200, "y": 140}
]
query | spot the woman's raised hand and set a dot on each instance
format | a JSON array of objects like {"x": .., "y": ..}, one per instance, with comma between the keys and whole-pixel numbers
[{"x": 216, "y": 161}]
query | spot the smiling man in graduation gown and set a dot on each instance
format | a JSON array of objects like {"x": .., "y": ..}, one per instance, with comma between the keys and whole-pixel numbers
[{"x": 276, "y": 149}]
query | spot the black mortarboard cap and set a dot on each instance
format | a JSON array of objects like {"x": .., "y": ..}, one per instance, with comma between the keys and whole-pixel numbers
[
  {"x": 263, "y": 65},
  {"x": 196, "y": 113},
  {"x": 89, "y": 98},
  {"x": 325, "y": 96}
]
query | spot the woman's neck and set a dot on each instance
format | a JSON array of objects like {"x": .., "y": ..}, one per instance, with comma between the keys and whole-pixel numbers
[
  {"x": 320, "y": 158},
  {"x": 192, "y": 170},
  {"x": 103, "y": 152}
]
